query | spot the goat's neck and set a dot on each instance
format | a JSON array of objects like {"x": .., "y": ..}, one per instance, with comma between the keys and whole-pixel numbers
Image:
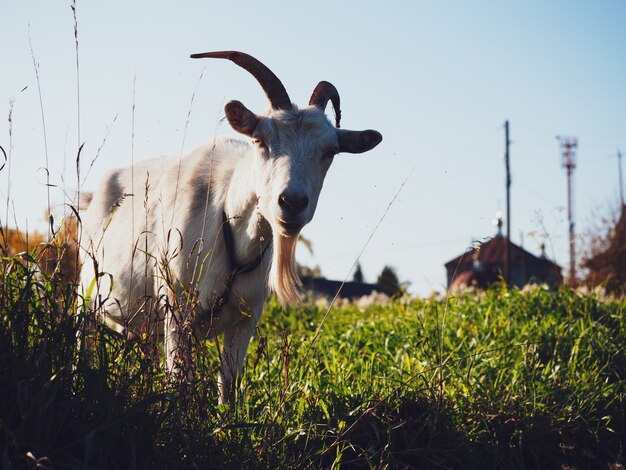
[{"x": 251, "y": 232}]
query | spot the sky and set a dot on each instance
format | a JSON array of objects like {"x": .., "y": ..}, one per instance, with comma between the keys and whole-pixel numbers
[{"x": 437, "y": 79}]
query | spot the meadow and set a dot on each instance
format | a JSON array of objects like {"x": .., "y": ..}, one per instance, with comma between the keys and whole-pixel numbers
[{"x": 506, "y": 378}]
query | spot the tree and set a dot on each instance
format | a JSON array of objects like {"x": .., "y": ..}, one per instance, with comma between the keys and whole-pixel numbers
[
  {"x": 358, "y": 274},
  {"x": 13, "y": 241},
  {"x": 57, "y": 258},
  {"x": 389, "y": 283},
  {"x": 606, "y": 258}
]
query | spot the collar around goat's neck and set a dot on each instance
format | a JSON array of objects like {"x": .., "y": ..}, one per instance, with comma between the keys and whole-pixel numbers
[
  {"x": 219, "y": 300},
  {"x": 229, "y": 241}
]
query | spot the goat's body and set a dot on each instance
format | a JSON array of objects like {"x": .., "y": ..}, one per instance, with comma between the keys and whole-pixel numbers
[{"x": 156, "y": 231}]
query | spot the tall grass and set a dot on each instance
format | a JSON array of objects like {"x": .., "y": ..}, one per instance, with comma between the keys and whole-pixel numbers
[{"x": 517, "y": 379}]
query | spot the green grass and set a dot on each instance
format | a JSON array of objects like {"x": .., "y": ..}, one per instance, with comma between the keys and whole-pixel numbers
[{"x": 501, "y": 379}]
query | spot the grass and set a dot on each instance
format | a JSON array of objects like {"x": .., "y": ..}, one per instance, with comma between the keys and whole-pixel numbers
[{"x": 500, "y": 379}]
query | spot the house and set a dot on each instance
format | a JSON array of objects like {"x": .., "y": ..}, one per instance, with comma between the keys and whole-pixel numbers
[{"x": 485, "y": 263}]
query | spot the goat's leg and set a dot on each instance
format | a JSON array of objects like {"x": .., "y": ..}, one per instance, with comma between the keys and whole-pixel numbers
[
  {"x": 236, "y": 341},
  {"x": 177, "y": 346},
  {"x": 85, "y": 339},
  {"x": 86, "y": 334}
]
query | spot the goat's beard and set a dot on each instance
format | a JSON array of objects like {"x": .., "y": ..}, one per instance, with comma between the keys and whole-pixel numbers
[{"x": 283, "y": 279}]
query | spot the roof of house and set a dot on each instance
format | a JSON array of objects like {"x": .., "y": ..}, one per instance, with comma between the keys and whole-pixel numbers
[{"x": 493, "y": 251}]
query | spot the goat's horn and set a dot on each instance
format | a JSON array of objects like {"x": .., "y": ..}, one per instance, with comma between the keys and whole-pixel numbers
[
  {"x": 325, "y": 91},
  {"x": 270, "y": 83}
]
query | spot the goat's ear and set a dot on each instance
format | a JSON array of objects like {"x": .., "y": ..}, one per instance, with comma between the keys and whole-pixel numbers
[
  {"x": 358, "y": 141},
  {"x": 241, "y": 118}
]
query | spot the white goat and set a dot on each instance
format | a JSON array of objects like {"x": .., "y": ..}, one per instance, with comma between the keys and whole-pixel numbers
[{"x": 215, "y": 226}]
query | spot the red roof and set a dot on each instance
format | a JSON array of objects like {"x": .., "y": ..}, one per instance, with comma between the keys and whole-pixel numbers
[
  {"x": 469, "y": 278},
  {"x": 493, "y": 251}
]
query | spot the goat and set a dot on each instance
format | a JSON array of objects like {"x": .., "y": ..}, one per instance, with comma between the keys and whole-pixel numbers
[{"x": 221, "y": 223}]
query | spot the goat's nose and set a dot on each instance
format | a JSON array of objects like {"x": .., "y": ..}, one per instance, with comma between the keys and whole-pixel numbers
[{"x": 293, "y": 203}]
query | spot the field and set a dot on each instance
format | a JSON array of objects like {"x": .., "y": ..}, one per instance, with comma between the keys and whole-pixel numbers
[{"x": 500, "y": 379}]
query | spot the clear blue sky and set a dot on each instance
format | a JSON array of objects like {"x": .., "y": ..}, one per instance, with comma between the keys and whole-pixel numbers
[{"x": 438, "y": 79}]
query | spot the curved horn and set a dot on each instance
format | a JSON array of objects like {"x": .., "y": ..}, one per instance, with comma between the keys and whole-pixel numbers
[
  {"x": 325, "y": 91},
  {"x": 272, "y": 86}
]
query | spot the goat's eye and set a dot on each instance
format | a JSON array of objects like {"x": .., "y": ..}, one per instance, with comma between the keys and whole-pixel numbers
[{"x": 258, "y": 142}]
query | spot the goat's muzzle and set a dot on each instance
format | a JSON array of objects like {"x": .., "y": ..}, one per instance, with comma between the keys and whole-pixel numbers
[
  {"x": 292, "y": 204},
  {"x": 292, "y": 212}
]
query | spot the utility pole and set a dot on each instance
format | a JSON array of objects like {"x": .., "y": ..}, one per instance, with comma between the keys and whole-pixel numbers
[
  {"x": 568, "y": 148},
  {"x": 619, "y": 172},
  {"x": 507, "y": 266}
]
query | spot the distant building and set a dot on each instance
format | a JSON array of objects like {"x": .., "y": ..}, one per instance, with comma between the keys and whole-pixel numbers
[
  {"x": 484, "y": 265},
  {"x": 320, "y": 286}
]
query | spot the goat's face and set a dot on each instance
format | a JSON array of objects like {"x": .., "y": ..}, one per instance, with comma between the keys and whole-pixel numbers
[{"x": 294, "y": 151}]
